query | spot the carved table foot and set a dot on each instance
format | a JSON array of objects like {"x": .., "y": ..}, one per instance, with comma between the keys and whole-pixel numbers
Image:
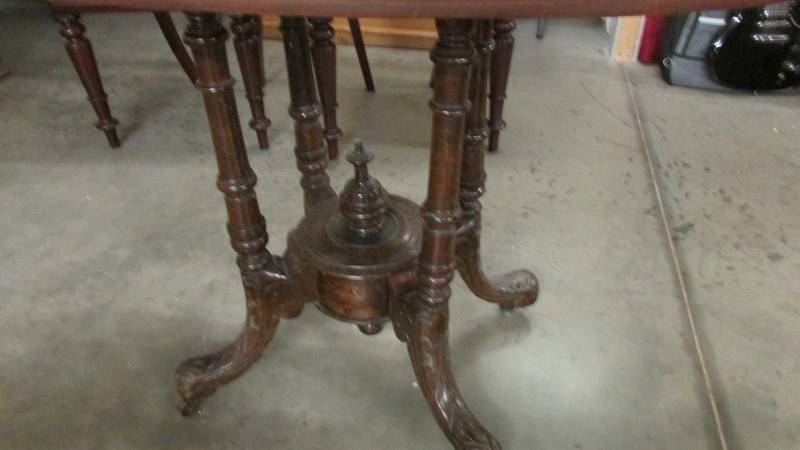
[
  {"x": 510, "y": 290},
  {"x": 199, "y": 377},
  {"x": 278, "y": 291},
  {"x": 425, "y": 331}
]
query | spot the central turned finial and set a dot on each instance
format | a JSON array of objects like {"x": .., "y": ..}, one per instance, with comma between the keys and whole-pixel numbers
[
  {"x": 363, "y": 200},
  {"x": 359, "y": 158}
]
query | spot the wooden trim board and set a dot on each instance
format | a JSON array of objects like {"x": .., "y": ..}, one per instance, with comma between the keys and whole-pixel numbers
[
  {"x": 627, "y": 37},
  {"x": 378, "y": 32}
]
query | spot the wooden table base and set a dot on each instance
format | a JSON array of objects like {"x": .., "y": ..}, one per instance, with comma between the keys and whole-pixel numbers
[{"x": 400, "y": 258}]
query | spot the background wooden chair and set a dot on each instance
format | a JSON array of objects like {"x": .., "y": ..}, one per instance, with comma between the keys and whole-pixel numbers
[
  {"x": 499, "y": 70},
  {"x": 323, "y": 52},
  {"x": 249, "y": 51},
  {"x": 247, "y": 41},
  {"x": 498, "y": 78}
]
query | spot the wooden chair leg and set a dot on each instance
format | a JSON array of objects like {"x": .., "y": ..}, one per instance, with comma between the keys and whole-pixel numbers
[
  {"x": 80, "y": 52},
  {"x": 501, "y": 65},
  {"x": 323, "y": 51},
  {"x": 309, "y": 148},
  {"x": 361, "y": 51},
  {"x": 249, "y": 51},
  {"x": 176, "y": 45}
]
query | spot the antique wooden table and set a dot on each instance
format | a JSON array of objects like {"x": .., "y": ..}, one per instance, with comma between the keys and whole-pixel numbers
[{"x": 364, "y": 256}]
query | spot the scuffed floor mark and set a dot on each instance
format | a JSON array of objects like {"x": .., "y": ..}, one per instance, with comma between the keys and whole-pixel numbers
[
  {"x": 682, "y": 230},
  {"x": 775, "y": 256},
  {"x": 603, "y": 105}
]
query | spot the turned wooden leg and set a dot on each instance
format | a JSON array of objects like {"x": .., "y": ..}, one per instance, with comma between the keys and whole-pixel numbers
[
  {"x": 248, "y": 43},
  {"x": 361, "y": 52},
  {"x": 514, "y": 289},
  {"x": 423, "y": 315},
  {"x": 80, "y": 52},
  {"x": 323, "y": 51},
  {"x": 501, "y": 65},
  {"x": 310, "y": 149},
  {"x": 263, "y": 275},
  {"x": 176, "y": 45}
]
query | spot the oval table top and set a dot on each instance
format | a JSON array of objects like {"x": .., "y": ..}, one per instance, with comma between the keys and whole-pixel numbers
[{"x": 421, "y": 8}]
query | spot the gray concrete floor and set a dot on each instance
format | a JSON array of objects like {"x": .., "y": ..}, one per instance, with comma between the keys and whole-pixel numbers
[{"x": 115, "y": 264}]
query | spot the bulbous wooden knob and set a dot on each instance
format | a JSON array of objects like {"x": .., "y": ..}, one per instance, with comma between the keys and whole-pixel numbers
[{"x": 363, "y": 200}]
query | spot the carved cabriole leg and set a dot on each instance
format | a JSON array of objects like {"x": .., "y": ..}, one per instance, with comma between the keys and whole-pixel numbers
[
  {"x": 247, "y": 41},
  {"x": 264, "y": 276},
  {"x": 312, "y": 158},
  {"x": 423, "y": 315},
  {"x": 324, "y": 53},
  {"x": 501, "y": 66},
  {"x": 80, "y": 52},
  {"x": 514, "y": 289},
  {"x": 175, "y": 44}
]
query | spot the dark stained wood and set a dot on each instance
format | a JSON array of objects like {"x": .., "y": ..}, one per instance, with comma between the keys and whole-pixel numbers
[
  {"x": 273, "y": 287},
  {"x": 501, "y": 66},
  {"x": 312, "y": 158},
  {"x": 80, "y": 51},
  {"x": 424, "y": 8},
  {"x": 81, "y": 54},
  {"x": 363, "y": 203},
  {"x": 176, "y": 44},
  {"x": 364, "y": 247},
  {"x": 248, "y": 44},
  {"x": 365, "y": 257},
  {"x": 424, "y": 313},
  {"x": 511, "y": 290},
  {"x": 323, "y": 51},
  {"x": 473, "y": 175},
  {"x": 361, "y": 52},
  {"x": 249, "y": 51}
]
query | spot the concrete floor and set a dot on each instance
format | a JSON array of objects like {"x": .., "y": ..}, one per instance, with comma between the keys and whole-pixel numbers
[{"x": 115, "y": 265}]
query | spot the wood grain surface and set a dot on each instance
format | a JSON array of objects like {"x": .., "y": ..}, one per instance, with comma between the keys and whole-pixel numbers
[{"x": 422, "y": 8}]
